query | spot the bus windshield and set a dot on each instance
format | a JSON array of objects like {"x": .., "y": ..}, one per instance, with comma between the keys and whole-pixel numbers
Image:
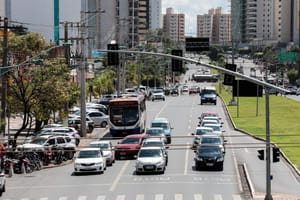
[{"x": 124, "y": 116}]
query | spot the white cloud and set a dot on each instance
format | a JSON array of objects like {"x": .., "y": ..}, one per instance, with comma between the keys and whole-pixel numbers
[{"x": 192, "y": 8}]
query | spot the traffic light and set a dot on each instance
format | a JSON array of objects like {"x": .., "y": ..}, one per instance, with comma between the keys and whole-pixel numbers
[
  {"x": 176, "y": 64},
  {"x": 261, "y": 154},
  {"x": 229, "y": 79},
  {"x": 112, "y": 57},
  {"x": 276, "y": 154}
]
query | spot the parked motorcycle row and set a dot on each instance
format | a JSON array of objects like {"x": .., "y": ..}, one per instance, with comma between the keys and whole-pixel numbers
[{"x": 20, "y": 162}]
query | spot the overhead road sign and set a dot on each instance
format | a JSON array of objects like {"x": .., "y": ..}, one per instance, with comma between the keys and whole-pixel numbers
[
  {"x": 197, "y": 44},
  {"x": 244, "y": 88},
  {"x": 229, "y": 79},
  {"x": 287, "y": 57}
]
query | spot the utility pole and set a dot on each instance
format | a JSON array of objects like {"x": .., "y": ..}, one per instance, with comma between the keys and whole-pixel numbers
[{"x": 4, "y": 77}]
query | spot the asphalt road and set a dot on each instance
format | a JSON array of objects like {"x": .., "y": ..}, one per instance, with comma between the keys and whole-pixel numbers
[{"x": 180, "y": 181}]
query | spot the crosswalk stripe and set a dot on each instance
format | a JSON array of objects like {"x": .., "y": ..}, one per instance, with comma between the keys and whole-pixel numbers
[
  {"x": 63, "y": 198},
  {"x": 44, "y": 198},
  {"x": 24, "y": 199},
  {"x": 197, "y": 196},
  {"x": 139, "y": 197},
  {"x": 178, "y": 197},
  {"x": 236, "y": 197},
  {"x": 82, "y": 198},
  {"x": 101, "y": 197},
  {"x": 120, "y": 197},
  {"x": 159, "y": 197},
  {"x": 217, "y": 197}
]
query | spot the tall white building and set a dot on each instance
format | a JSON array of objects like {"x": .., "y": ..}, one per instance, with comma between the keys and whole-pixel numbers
[{"x": 155, "y": 14}]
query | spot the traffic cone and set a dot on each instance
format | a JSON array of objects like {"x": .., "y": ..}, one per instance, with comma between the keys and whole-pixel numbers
[{"x": 11, "y": 170}]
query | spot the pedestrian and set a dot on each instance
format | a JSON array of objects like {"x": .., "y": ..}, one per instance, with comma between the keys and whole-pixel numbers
[{"x": 2, "y": 149}]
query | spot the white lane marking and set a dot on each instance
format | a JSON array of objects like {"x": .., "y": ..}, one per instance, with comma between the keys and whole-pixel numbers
[
  {"x": 120, "y": 197},
  {"x": 140, "y": 197},
  {"x": 236, "y": 197},
  {"x": 101, "y": 197},
  {"x": 63, "y": 198},
  {"x": 217, "y": 197},
  {"x": 186, "y": 162},
  {"x": 197, "y": 196},
  {"x": 178, "y": 197},
  {"x": 117, "y": 179},
  {"x": 82, "y": 198},
  {"x": 44, "y": 198},
  {"x": 159, "y": 197},
  {"x": 246, "y": 150},
  {"x": 157, "y": 115}
]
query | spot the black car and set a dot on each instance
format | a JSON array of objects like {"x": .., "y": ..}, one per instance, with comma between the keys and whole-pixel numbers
[
  {"x": 174, "y": 91},
  {"x": 209, "y": 156}
]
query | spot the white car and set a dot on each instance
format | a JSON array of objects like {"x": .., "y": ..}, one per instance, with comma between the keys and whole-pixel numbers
[
  {"x": 158, "y": 94},
  {"x": 99, "y": 118},
  {"x": 216, "y": 128},
  {"x": 150, "y": 159},
  {"x": 107, "y": 149},
  {"x": 89, "y": 160}
]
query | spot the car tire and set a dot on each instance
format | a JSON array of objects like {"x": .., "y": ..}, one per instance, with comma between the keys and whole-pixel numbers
[
  {"x": 1, "y": 191},
  {"x": 220, "y": 168},
  {"x": 103, "y": 124},
  {"x": 197, "y": 166},
  {"x": 137, "y": 172}
]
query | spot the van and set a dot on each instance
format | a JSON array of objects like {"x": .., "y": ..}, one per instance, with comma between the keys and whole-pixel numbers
[{"x": 208, "y": 95}]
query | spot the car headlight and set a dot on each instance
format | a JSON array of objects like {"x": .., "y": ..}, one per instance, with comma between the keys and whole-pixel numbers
[
  {"x": 200, "y": 159},
  {"x": 220, "y": 159},
  {"x": 76, "y": 164},
  {"x": 139, "y": 164},
  {"x": 159, "y": 163},
  {"x": 98, "y": 163}
]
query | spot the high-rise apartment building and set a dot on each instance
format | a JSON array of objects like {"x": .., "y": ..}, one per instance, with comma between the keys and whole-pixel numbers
[
  {"x": 215, "y": 25},
  {"x": 296, "y": 22},
  {"x": 155, "y": 15},
  {"x": 5, "y": 8},
  {"x": 268, "y": 21},
  {"x": 174, "y": 25}
]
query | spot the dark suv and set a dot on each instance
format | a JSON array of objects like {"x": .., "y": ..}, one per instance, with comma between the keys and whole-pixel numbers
[{"x": 209, "y": 156}]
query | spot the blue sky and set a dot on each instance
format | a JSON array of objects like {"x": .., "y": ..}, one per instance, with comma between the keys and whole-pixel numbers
[{"x": 38, "y": 14}]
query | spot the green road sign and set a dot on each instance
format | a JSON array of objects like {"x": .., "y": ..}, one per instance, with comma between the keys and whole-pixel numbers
[{"x": 287, "y": 57}]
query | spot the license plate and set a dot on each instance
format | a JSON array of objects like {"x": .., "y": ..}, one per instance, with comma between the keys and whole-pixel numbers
[
  {"x": 149, "y": 167},
  {"x": 209, "y": 164},
  {"x": 123, "y": 153}
]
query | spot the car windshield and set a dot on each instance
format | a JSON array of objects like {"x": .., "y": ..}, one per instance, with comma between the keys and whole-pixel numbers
[
  {"x": 153, "y": 144},
  {"x": 157, "y": 91},
  {"x": 102, "y": 146},
  {"x": 208, "y": 150},
  {"x": 124, "y": 116},
  {"x": 89, "y": 154},
  {"x": 39, "y": 141},
  {"x": 150, "y": 153},
  {"x": 215, "y": 128},
  {"x": 160, "y": 124},
  {"x": 203, "y": 131},
  {"x": 155, "y": 131},
  {"x": 130, "y": 141},
  {"x": 211, "y": 140}
]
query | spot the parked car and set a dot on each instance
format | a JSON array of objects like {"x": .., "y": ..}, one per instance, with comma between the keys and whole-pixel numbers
[
  {"x": 75, "y": 122},
  {"x": 209, "y": 156},
  {"x": 165, "y": 124},
  {"x": 58, "y": 142},
  {"x": 2, "y": 183},
  {"x": 96, "y": 106},
  {"x": 107, "y": 149},
  {"x": 150, "y": 159},
  {"x": 89, "y": 160},
  {"x": 69, "y": 130},
  {"x": 158, "y": 94},
  {"x": 129, "y": 146},
  {"x": 298, "y": 91},
  {"x": 100, "y": 119}
]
